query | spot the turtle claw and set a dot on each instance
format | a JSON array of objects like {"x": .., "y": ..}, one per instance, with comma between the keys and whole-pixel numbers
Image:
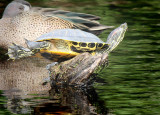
[
  {"x": 46, "y": 80},
  {"x": 17, "y": 52},
  {"x": 12, "y": 51},
  {"x": 48, "y": 67}
]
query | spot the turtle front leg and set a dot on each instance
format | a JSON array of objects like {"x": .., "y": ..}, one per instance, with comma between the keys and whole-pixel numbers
[
  {"x": 48, "y": 67},
  {"x": 17, "y": 52}
]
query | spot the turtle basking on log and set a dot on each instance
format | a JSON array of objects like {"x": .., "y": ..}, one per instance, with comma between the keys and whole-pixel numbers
[{"x": 63, "y": 44}]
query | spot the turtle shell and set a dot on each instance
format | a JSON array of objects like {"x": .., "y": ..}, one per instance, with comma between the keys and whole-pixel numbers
[
  {"x": 67, "y": 43},
  {"x": 75, "y": 35}
]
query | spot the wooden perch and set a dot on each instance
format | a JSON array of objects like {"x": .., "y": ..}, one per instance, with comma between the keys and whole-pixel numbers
[{"x": 78, "y": 70}]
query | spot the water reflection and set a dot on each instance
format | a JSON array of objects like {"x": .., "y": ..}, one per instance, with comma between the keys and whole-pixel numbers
[
  {"x": 20, "y": 79},
  {"x": 59, "y": 100},
  {"x": 72, "y": 100},
  {"x": 23, "y": 92}
]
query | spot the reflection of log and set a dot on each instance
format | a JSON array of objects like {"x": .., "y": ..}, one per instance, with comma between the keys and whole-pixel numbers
[
  {"x": 70, "y": 100},
  {"x": 62, "y": 100},
  {"x": 77, "y": 71}
]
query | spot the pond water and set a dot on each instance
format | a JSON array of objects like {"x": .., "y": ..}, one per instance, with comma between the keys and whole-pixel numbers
[{"x": 132, "y": 79}]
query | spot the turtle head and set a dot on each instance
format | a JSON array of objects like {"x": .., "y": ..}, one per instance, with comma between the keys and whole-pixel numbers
[
  {"x": 116, "y": 36},
  {"x": 16, "y": 7}
]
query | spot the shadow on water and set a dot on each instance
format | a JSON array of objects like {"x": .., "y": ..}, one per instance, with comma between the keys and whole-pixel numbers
[{"x": 133, "y": 75}]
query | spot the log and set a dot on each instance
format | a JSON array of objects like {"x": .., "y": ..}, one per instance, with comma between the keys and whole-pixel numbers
[{"x": 78, "y": 70}]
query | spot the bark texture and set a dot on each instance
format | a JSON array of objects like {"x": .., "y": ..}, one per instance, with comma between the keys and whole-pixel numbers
[{"x": 78, "y": 70}]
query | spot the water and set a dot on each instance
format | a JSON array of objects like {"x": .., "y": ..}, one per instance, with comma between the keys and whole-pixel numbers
[
  {"x": 132, "y": 78},
  {"x": 133, "y": 74}
]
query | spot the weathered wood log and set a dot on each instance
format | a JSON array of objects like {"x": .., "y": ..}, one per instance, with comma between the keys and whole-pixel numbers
[{"x": 78, "y": 70}]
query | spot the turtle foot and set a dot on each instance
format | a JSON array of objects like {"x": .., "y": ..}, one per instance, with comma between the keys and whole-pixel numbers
[
  {"x": 48, "y": 67},
  {"x": 17, "y": 52},
  {"x": 46, "y": 80}
]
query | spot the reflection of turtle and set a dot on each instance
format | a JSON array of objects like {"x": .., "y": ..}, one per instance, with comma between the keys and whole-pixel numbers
[{"x": 63, "y": 44}]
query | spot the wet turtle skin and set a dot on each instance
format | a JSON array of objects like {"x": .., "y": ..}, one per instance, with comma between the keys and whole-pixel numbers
[{"x": 60, "y": 50}]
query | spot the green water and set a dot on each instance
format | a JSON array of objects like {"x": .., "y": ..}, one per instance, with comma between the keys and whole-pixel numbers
[{"x": 133, "y": 76}]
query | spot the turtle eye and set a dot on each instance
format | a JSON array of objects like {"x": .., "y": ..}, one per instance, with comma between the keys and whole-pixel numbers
[{"x": 21, "y": 8}]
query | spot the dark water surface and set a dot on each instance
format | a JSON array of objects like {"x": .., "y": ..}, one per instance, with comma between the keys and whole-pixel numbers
[{"x": 132, "y": 78}]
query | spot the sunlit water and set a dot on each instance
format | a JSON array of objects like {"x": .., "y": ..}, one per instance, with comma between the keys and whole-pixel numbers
[{"x": 132, "y": 77}]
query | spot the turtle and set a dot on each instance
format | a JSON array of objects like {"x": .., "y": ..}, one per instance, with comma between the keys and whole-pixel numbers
[{"x": 63, "y": 44}]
